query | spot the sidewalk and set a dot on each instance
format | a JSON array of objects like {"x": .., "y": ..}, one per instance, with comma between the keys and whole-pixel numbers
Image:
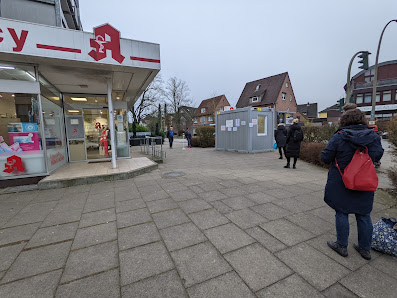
[{"x": 222, "y": 225}]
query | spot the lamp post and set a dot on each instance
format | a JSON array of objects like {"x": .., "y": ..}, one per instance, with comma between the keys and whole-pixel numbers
[{"x": 376, "y": 73}]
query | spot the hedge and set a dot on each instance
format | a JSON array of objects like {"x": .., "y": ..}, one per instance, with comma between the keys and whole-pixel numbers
[
  {"x": 205, "y": 137},
  {"x": 318, "y": 134},
  {"x": 311, "y": 152},
  {"x": 392, "y": 134}
]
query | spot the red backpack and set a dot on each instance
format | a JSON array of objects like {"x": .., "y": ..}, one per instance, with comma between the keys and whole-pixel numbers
[{"x": 360, "y": 173}]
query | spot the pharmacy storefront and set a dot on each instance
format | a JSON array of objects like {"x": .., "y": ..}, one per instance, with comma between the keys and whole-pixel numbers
[{"x": 64, "y": 95}]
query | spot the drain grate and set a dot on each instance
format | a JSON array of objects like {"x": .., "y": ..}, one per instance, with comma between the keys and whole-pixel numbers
[{"x": 173, "y": 174}]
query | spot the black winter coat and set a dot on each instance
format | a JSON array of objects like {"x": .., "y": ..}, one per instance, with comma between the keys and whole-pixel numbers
[
  {"x": 342, "y": 146},
  {"x": 293, "y": 147},
  {"x": 280, "y": 136}
]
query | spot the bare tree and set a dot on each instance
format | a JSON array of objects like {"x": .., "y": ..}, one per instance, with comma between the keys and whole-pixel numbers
[
  {"x": 147, "y": 102},
  {"x": 177, "y": 94}
]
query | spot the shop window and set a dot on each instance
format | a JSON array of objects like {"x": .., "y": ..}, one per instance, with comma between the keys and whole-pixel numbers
[
  {"x": 359, "y": 99},
  {"x": 386, "y": 95},
  {"x": 122, "y": 144},
  {"x": 367, "y": 97},
  {"x": 21, "y": 147},
  {"x": 262, "y": 126},
  {"x": 17, "y": 72},
  {"x": 378, "y": 97},
  {"x": 283, "y": 95}
]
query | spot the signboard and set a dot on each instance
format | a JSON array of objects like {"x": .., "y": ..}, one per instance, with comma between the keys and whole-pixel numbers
[
  {"x": 104, "y": 45},
  {"x": 379, "y": 108},
  {"x": 24, "y": 133},
  {"x": 229, "y": 123}
]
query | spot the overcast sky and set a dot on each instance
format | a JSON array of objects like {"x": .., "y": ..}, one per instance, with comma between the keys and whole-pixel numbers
[{"x": 217, "y": 46}]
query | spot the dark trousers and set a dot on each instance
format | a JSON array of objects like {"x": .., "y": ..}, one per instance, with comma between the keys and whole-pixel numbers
[
  {"x": 171, "y": 139},
  {"x": 281, "y": 154},
  {"x": 289, "y": 159},
  {"x": 364, "y": 229}
]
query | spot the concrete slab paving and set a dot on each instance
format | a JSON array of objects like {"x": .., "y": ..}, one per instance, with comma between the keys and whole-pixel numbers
[{"x": 268, "y": 225}]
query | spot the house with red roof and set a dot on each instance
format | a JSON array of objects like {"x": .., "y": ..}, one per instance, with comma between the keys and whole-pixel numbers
[
  {"x": 205, "y": 113},
  {"x": 271, "y": 92}
]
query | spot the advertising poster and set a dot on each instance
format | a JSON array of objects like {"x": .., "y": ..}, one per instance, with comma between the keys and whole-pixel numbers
[
  {"x": 229, "y": 123},
  {"x": 25, "y": 134},
  {"x": 237, "y": 122},
  {"x": 234, "y": 128},
  {"x": 254, "y": 121},
  {"x": 243, "y": 123},
  {"x": 223, "y": 127},
  {"x": 229, "y": 129}
]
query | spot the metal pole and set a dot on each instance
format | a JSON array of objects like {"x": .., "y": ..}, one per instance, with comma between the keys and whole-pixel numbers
[
  {"x": 347, "y": 100},
  {"x": 376, "y": 73},
  {"x": 111, "y": 123}
]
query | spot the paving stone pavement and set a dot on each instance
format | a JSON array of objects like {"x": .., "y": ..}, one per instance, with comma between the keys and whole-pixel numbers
[{"x": 235, "y": 225}]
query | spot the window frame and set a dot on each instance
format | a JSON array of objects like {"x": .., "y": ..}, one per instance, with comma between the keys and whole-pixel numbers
[
  {"x": 388, "y": 92},
  {"x": 264, "y": 125},
  {"x": 256, "y": 99},
  {"x": 283, "y": 96},
  {"x": 202, "y": 110},
  {"x": 361, "y": 96}
]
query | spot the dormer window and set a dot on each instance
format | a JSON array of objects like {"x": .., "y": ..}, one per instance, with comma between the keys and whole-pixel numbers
[
  {"x": 255, "y": 99},
  {"x": 202, "y": 110},
  {"x": 257, "y": 87}
]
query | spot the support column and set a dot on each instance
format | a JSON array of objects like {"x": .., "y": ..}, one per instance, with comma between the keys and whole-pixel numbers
[{"x": 111, "y": 123}]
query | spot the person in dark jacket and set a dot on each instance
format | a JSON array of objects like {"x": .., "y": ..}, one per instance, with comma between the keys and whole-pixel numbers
[
  {"x": 188, "y": 137},
  {"x": 294, "y": 140},
  {"x": 280, "y": 135},
  {"x": 170, "y": 136},
  {"x": 353, "y": 134}
]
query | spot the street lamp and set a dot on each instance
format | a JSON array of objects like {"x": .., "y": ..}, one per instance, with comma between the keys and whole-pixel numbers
[{"x": 376, "y": 73}]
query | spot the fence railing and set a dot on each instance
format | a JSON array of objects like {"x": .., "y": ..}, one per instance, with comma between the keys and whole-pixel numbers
[{"x": 153, "y": 146}]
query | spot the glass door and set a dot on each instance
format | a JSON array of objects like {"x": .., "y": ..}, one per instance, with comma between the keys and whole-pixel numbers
[{"x": 97, "y": 134}]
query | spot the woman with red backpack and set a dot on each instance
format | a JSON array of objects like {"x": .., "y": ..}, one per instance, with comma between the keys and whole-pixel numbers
[{"x": 355, "y": 145}]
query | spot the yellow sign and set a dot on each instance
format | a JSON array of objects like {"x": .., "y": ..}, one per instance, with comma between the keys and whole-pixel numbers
[
  {"x": 218, "y": 113},
  {"x": 259, "y": 109}
]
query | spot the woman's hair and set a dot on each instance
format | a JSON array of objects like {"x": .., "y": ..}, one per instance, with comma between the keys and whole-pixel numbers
[
  {"x": 296, "y": 120},
  {"x": 349, "y": 106},
  {"x": 352, "y": 117}
]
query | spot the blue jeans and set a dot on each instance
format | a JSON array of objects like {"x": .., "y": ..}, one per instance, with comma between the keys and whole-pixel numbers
[
  {"x": 188, "y": 142},
  {"x": 364, "y": 228}
]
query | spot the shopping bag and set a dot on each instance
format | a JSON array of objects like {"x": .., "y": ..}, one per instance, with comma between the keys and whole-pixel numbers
[
  {"x": 275, "y": 146},
  {"x": 384, "y": 237}
]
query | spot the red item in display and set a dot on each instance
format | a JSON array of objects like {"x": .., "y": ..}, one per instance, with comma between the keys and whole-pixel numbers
[
  {"x": 104, "y": 142},
  {"x": 14, "y": 162}
]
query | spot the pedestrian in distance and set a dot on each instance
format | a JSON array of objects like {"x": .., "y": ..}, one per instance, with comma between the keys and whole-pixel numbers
[
  {"x": 188, "y": 137},
  {"x": 294, "y": 140},
  {"x": 280, "y": 135},
  {"x": 170, "y": 136},
  {"x": 352, "y": 134}
]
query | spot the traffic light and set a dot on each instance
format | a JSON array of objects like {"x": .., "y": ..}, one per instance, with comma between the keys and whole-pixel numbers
[
  {"x": 341, "y": 103},
  {"x": 364, "y": 60}
]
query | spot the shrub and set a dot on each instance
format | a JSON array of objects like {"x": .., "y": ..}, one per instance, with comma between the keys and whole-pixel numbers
[
  {"x": 392, "y": 129},
  {"x": 311, "y": 152},
  {"x": 318, "y": 134},
  {"x": 141, "y": 128},
  {"x": 205, "y": 136},
  {"x": 383, "y": 125},
  {"x": 194, "y": 142}
]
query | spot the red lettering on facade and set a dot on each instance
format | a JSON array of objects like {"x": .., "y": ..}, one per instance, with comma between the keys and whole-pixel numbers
[
  {"x": 19, "y": 41},
  {"x": 13, "y": 162},
  {"x": 55, "y": 158},
  {"x": 106, "y": 38},
  {"x": 1, "y": 38}
]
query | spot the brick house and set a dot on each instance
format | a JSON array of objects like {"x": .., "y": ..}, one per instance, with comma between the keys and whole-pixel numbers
[
  {"x": 205, "y": 113},
  {"x": 309, "y": 110},
  {"x": 186, "y": 121},
  {"x": 386, "y": 96},
  {"x": 330, "y": 115},
  {"x": 271, "y": 92}
]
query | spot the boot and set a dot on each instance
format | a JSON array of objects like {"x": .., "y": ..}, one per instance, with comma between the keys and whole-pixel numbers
[
  {"x": 366, "y": 254},
  {"x": 294, "y": 166},
  {"x": 281, "y": 157},
  {"x": 341, "y": 250},
  {"x": 287, "y": 166}
]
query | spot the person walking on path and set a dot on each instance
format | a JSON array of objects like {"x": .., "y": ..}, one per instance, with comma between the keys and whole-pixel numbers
[
  {"x": 294, "y": 140},
  {"x": 353, "y": 134},
  {"x": 170, "y": 136},
  {"x": 188, "y": 137},
  {"x": 280, "y": 135}
]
